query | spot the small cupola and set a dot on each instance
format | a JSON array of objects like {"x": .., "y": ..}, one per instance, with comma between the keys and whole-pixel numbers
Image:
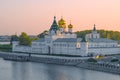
[{"x": 70, "y": 26}]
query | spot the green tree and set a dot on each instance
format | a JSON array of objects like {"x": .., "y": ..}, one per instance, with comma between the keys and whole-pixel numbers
[
  {"x": 24, "y": 39},
  {"x": 108, "y": 35},
  {"x": 14, "y": 38},
  {"x": 114, "y": 35},
  {"x": 41, "y": 35}
]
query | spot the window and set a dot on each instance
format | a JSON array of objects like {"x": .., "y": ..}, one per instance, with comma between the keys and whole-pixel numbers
[{"x": 78, "y": 45}]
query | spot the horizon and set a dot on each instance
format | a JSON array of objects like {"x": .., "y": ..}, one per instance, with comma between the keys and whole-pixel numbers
[
  {"x": 33, "y": 17},
  {"x": 47, "y": 30}
]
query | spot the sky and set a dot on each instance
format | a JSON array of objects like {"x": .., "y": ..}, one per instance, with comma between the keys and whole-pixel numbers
[{"x": 35, "y": 16}]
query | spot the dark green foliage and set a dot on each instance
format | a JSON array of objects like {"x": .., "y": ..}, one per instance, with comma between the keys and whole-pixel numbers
[
  {"x": 81, "y": 34},
  {"x": 114, "y": 60},
  {"x": 92, "y": 60},
  {"x": 114, "y": 35},
  {"x": 14, "y": 38},
  {"x": 43, "y": 34},
  {"x": 6, "y": 48},
  {"x": 24, "y": 39}
]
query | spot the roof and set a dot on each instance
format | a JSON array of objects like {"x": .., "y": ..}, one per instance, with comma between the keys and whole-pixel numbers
[
  {"x": 62, "y": 23},
  {"x": 54, "y": 25},
  {"x": 100, "y": 40},
  {"x": 66, "y": 40},
  {"x": 94, "y": 29},
  {"x": 39, "y": 40}
]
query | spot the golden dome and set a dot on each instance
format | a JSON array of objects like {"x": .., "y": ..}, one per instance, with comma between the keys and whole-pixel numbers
[
  {"x": 70, "y": 26},
  {"x": 62, "y": 23}
]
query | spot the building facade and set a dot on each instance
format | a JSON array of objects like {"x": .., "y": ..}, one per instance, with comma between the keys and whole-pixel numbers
[{"x": 62, "y": 41}]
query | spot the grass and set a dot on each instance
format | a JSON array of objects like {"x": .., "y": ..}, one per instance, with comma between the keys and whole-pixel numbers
[{"x": 6, "y": 48}]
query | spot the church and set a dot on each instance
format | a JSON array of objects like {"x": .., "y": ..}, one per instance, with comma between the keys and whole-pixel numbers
[{"x": 62, "y": 41}]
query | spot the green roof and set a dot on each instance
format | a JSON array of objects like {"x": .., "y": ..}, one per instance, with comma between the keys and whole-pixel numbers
[{"x": 54, "y": 25}]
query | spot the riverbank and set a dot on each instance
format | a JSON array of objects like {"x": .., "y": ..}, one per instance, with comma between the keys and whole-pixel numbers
[
  {"x": 80, "y": 62},
  {"x": 104, "y": 67},
  {"x": 61, "y": 60}
]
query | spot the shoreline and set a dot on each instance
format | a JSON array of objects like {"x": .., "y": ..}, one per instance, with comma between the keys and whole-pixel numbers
[
  {"x": 59, "y": 60},
  {"x": 102, "y": 67}
]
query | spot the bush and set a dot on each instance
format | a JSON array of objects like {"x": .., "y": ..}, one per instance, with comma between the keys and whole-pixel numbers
[
  {"x": 92, "y": 60},
  {"x": 114, "y": 60},
  {"x": 6, "y": 48}
]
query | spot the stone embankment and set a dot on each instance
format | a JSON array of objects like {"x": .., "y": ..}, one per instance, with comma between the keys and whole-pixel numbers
[
  {"x": 104, "y": 67},
  {"x": 61, "y": 60}
]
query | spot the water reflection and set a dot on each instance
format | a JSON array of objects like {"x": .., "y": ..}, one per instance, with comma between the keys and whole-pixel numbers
[
  {"x": 10, "y": 70},
  {"x": 20, "y": 71}
]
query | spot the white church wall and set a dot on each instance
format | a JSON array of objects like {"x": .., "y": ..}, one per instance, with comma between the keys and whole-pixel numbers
[{"x": 104, "y": 51}]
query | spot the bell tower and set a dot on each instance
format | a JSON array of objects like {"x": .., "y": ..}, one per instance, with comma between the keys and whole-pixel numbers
[
  {"x": 70, "y": 26},
  {"x": 54, "y": 27},
  {"x": 94, "y": 33}
]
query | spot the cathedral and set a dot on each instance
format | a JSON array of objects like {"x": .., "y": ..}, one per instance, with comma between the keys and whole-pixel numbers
[{"x": 62, "y": 41}]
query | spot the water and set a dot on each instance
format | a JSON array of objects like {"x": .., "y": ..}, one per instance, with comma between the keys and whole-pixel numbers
[{"x": 10, "y": 70}]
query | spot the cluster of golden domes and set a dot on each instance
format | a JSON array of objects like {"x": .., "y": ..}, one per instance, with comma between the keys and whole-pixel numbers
[{"x": 62, "y": 24}]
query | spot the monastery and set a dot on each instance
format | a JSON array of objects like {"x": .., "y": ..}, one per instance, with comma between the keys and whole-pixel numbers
[{"x": 60, "y": 41}]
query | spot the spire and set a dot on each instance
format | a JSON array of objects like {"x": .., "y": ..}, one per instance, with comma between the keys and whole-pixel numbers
[
  {"x": 54, "y": 17},
  {"x": 54, "y": 25},
  {"x": 94, "y": 28}
]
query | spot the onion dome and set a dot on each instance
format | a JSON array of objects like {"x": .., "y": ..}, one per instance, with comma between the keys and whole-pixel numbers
[
  {"x": 70, "y": 26},
  {"x": 62, "y": 23}
]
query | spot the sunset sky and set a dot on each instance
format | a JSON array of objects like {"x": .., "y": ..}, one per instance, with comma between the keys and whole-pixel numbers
[{"x": 35, "y": 16}]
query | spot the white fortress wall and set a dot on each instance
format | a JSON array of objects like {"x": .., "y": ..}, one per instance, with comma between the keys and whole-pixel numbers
[{"x": 104, "y": 51}]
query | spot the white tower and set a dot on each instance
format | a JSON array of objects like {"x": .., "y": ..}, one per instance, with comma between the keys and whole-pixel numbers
[
  {"x": 94, "y": 33},
  {"x": 70, "y": 26},
  {"x": 84, "y": 47}
]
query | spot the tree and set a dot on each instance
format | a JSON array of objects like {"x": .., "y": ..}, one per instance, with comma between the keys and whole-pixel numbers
[
  {"x": 41, "y": 35},
  {"x": 108, "y": 35},
  {"x": 24, "y": 39},
  {"x": 114, "y": 35},
  {"x": 114, "y": 60},
  {"x": 14, "y": 38}
]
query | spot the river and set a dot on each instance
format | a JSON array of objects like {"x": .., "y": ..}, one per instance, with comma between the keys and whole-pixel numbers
[{"x": 11, "y": 70}]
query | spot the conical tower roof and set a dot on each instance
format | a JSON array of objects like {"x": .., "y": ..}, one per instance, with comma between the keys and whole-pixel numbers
[{"x": 54, "y": 25}]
